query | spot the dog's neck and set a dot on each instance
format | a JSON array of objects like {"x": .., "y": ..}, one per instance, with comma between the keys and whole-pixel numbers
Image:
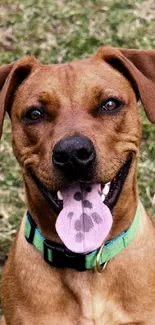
[{"x": 123, "y": 212}]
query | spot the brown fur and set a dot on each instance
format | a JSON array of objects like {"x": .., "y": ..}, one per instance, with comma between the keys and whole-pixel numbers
[{"x": 34, "y": 292}]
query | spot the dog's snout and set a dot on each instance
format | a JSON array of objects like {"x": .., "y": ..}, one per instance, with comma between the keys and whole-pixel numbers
[{"x": 74, "y": 154}]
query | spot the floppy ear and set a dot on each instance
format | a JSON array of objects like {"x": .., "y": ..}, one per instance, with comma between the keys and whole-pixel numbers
[
  {"x": 11, "y": 76},
  {"x": 4, "y": 72},
  {"x": 139, "y": 67}
]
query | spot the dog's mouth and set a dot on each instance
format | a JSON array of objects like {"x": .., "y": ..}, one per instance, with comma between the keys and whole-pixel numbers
[
  {"x": 109, "y": 192},
  {"x": 85, "y": 210}
]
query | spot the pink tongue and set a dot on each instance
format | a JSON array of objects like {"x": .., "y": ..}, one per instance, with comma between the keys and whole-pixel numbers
[{"x": 85, "y": 221}]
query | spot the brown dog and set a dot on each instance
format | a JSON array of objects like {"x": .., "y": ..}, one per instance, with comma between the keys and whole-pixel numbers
[{"x": 76, "y": 129}]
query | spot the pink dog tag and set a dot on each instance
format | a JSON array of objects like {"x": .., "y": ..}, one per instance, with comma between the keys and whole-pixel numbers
[{"x": 85, "y": 221}]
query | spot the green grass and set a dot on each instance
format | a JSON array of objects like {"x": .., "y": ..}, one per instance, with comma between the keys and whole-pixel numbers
[{"x": 59, "y": 31}]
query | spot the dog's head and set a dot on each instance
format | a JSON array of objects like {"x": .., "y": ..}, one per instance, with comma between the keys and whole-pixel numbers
[{"x": 76, "y": 126}]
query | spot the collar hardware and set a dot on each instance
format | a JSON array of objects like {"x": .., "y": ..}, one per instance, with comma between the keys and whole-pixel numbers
[
  {"x": 60, "y": 256},
  {"x": 100, "y": 267},
  {"x": 30, "y": 235}
]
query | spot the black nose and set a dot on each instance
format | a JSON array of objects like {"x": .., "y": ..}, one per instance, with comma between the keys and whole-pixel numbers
[{"x": 74, "y": 155}]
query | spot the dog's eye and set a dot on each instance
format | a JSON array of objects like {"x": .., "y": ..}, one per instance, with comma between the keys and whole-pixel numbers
[
  {"x": 34, "y": 114},
  {"x": 110, "y": 105}
]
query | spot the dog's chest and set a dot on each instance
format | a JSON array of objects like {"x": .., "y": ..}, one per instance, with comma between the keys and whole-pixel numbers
[{"x": 102, "y": 310}]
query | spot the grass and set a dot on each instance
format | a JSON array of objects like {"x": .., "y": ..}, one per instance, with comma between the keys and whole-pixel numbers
[{"x": 59, "y": 31}]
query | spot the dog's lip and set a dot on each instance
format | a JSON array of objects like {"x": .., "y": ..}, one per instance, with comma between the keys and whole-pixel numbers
[
  {"x": 49, "y": 196},
  {"x": 111, "y": 198},
  {"x": 117, "y": 183}
]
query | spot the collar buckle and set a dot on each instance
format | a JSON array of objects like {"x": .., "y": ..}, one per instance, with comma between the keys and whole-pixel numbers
[
  {"x": 33, "y": 226},
  {"x": 59, "y": 256}
]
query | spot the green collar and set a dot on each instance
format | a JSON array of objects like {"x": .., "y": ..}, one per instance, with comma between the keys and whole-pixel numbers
[{"x": 59, "y": 256}]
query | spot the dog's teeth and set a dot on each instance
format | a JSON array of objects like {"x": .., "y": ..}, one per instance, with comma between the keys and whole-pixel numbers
[
  {"x": 60, "y": 197},
  {"x": 103, "y": 197},
  {"x": 105, "y": 190}
]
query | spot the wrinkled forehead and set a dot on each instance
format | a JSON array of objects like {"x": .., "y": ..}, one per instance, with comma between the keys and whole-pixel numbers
[{"x": 75, "y": 80}]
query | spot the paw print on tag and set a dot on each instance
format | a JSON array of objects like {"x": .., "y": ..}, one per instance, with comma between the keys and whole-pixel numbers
[
  {"x": 84, "y": 224},
  {"x": 86, "y": 221}
]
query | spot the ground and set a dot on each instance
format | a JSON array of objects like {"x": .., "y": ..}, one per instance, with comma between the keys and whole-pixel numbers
[{"x": 59, "y": 31}]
